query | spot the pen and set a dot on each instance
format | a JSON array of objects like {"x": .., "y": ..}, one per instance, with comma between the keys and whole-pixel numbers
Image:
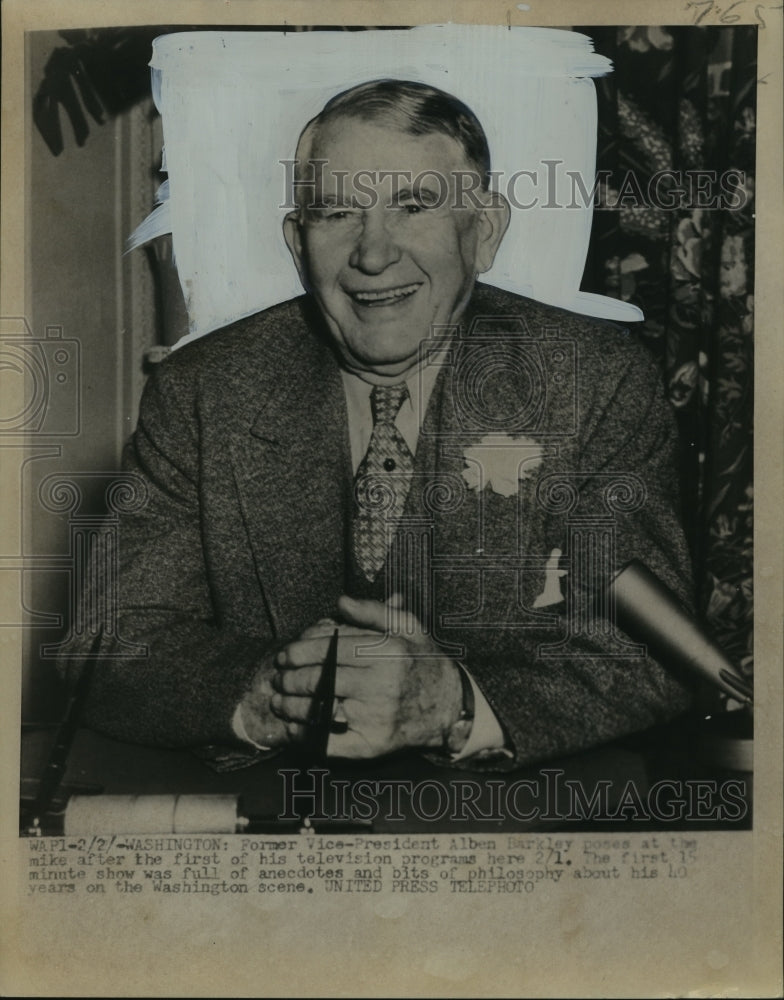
[{"x": 324, "y": 700}]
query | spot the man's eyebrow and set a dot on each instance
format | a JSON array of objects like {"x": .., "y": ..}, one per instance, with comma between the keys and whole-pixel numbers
[
  {"x": 421, "y": 192},
  {"x": 322, "y": 203},
  {"x": 330, "y": 200}
]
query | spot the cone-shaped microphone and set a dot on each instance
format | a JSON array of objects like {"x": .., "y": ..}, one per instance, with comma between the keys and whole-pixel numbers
[{"x": 649, "y": 612}]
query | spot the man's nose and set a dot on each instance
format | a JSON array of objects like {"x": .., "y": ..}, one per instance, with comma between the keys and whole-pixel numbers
[{"x": 376, "y": 247}]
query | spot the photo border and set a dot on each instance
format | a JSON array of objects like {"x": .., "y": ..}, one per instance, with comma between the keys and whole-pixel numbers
[{"x": 718, "y": 934}]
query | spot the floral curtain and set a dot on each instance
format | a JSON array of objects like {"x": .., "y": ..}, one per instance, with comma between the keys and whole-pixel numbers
[{"x": 679, "y": 111}]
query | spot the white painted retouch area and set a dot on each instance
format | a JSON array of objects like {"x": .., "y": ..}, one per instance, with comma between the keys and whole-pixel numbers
[{"x": 233, "y": 105}]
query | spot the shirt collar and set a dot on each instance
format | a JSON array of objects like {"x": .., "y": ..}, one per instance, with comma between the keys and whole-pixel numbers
[{"x": 420, "y": 381}]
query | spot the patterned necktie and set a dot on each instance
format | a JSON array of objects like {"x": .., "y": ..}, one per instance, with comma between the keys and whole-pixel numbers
[{"x": 382, "y": 481}]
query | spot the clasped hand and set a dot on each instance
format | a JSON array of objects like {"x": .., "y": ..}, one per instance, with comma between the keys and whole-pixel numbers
[{"x": 394, "y": 689}]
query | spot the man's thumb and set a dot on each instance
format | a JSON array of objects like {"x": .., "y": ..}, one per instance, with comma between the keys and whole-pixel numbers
[
  {"x": 365, "y": 613},
  {"x": 389, "y": 617}
]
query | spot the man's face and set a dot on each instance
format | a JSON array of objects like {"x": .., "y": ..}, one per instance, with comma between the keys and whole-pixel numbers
[{"x": 387, "y": 259}]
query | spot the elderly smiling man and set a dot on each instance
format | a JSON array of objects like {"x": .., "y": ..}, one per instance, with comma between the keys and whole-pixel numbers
[{"x": 390, "y": 455}]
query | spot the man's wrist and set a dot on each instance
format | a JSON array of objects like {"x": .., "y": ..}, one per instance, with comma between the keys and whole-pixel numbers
[{"x": 253, "y": 721}]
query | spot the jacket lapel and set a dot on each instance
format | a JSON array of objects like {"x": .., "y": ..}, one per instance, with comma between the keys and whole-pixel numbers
[{"x": 292, "y": 469}]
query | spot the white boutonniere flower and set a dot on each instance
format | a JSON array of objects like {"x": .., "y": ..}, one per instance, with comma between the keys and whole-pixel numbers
[{"x": 501, "y": 462}]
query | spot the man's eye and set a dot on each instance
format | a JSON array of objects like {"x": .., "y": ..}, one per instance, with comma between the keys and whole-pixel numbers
[
  {"x": 415, "y": 204},
  {"x": 412, "y": 207},
  {"x": 323, "y": 213}
]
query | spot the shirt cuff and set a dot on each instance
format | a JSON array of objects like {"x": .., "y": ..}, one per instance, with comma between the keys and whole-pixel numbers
[
  {"x": 238, "y": 726},
  {"x": 486, "y": 732}
]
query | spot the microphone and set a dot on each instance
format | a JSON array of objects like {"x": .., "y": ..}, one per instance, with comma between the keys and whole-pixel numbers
[{"x": 650, "y": 613}]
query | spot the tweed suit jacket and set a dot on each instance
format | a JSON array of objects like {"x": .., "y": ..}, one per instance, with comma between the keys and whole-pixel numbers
[{"x": 242, "y": 445}]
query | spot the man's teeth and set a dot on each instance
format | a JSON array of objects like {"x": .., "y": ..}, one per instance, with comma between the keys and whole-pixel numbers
[{"x": 391, "y": 293}]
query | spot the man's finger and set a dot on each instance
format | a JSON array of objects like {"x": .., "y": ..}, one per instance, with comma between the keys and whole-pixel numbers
[
  {"x": 386, "y": 617},
  {"x": 313, "y": 652},
  {"x": 303, "y": 682},
  {"x": 320, "y": 630},
  {"x": 291, "y": 709},
  {"x": 350, "y": 745},
  {"x": 325, "y": 626}
]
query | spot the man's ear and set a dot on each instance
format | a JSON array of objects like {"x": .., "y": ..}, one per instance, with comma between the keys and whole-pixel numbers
[
  {"x": 493, "y": 223},
  {"x": 292, "y": 233}
]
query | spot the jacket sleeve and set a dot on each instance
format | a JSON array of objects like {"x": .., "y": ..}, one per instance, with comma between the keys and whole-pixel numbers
[
  {"x": 167, "y": 671},
  {"x": 590, "y": 692}
]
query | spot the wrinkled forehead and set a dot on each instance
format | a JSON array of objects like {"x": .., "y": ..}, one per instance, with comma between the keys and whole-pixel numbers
[{"x": 352, "y": 154}]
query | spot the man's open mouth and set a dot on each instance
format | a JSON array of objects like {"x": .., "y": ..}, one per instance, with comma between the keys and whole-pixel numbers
[{"x": 384, "y": 296}]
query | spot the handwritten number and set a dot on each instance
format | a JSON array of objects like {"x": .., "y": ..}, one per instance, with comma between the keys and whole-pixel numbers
[
  {"x": 762, "y": 6},
  {"x": 706, "y": 7},
  {"x": 727, "y": 18}
]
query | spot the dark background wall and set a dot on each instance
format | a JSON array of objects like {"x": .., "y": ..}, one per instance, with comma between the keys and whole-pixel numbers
[{"x": 82, "y": 204}]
